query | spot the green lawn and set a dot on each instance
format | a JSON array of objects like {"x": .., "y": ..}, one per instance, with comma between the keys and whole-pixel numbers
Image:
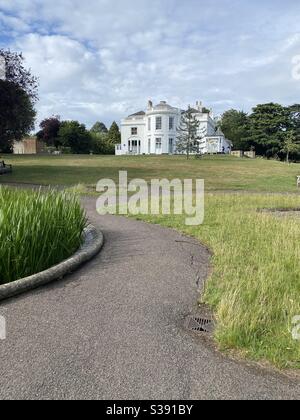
[
  {"x": 255, "y": 284},
  {"x": 220, "y": 173}
]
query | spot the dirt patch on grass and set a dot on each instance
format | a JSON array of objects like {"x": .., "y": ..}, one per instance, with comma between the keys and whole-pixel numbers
[{"x": 282, "y": 212}]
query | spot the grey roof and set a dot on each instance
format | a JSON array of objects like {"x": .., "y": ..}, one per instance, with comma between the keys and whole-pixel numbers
[
  {"x": 138, "y": 114},
  {"x": 163, "y": 105}
]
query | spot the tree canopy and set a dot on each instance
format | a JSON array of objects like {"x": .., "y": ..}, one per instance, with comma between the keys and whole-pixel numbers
[
  {"x": 268, "y": 123},
  {"x": 18, "y": 94},
  {"x": 101, "y": 144},
  {"x": 18, "y": 74},
  {"x": 99, "y": 127},
  {"x": 114, "y": 134},
  {"x": 49, "y": 131},
  {"x": 290, "y": 145},
  {"x": 17, "y": 114},
  {"x": 235, "y": 126},
  {"x": 75, "y": 135},
  {"x": 271, "y": 129}
]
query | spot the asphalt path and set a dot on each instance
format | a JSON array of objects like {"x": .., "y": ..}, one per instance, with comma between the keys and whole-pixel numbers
[{"x": 115, "y": 328}]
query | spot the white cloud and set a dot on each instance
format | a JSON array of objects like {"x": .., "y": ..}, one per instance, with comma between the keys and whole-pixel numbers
[
  {"x": 103, "y": 59},
  {"x": 14, "y": 23}
]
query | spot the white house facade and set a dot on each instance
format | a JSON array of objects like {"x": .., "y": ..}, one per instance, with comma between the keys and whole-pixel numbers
[{"x": 154, "y": 132}]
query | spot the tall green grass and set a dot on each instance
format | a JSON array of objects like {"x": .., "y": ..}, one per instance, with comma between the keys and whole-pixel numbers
[
  {"x": 37, "y": 231},
  {"x": 255, "y": 285}
]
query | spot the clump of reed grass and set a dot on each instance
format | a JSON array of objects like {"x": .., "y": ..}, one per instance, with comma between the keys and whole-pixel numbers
[{"x": 37, "y": 230}]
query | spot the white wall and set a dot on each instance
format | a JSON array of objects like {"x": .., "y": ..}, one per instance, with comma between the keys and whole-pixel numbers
[
  {"x": 207, "y": 124},
  {"x": 217, "y": 144},
  {"x": 147, "y": 137},
  {"x": 126, "y": 134},
  {"x": 165, "y": 133}
]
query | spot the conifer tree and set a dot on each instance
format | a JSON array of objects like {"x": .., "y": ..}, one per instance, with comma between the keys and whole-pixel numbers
[
  {"x": 188, "y": 134},
  {"x": 114, "y": 134}
]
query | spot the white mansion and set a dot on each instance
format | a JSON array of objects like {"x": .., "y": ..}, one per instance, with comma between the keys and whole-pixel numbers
[{"x": 155, "y": 131}]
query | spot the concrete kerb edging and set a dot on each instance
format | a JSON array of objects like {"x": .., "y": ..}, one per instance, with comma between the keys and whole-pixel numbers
[{"x": 93, "y": 243}]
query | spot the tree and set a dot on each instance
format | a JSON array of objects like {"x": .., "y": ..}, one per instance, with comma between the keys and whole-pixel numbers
[
  {"x": 101, "y": 144},
  {"x": 17, "y": 114},
  {"x": 99, "y": 127},
  {"x": 294, "y": 119},
  {"x": 49, "y": 131},
  {"x": 268, "y": 124},
  {"x": 74, "y": 135},
  {"x": 18, "y": 74},
  {"x": 235, "y": 126},
  {"x": 188, "y": 130},
  {"x": 290, "y": 145},
  {"x": 114, "y": 134}
]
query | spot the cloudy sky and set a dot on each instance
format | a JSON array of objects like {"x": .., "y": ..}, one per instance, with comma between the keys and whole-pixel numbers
[{"x": 103, "y": 59}]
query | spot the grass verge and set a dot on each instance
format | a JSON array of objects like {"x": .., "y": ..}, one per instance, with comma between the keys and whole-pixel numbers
[
  {"x": 37, "y": 231},
  {"x": 255, "y": 285}
]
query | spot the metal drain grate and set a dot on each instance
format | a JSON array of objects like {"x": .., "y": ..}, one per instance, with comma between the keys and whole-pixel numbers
[{"x": 199, "y": 324}]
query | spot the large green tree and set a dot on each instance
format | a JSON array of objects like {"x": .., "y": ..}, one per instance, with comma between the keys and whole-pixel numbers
[
  {"x": 114, "y": 134},
  {"x": 75, "y": 135},
  {"x": 18, "y": 94},
  {"x": 16, "y": 72},
  {"x": 268, "y": 124},
  {"x": 17, "y": 114},
  {"x": 49, "y": 131},
  {"x": 268, "y": 129},
  {"x": 99, "y": 128},
  {"x": 235, "y": 126},
  {"x": 290, "y": 145},
  {"x": 294, "y": 119}
]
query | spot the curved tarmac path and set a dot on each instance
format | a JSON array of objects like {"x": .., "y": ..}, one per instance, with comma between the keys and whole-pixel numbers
[{"x": 114, "y": 329}]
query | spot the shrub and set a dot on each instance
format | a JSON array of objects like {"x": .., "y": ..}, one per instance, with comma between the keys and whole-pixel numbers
[
  {"x": 101, "y": 145},
  {"x": 65, "y": 150}
]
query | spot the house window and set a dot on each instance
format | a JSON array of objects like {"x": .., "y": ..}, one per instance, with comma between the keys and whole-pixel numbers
[
  {"x": 134, "y": 131},
  {"x": 158, "y": 123},
  {"x": 158, "y": 144},
  {"x": 171, "y": 123},
  {"x": 149, "y": 124}
]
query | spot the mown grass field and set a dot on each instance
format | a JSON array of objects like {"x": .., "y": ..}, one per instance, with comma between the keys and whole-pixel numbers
[
  {"x": 255, "y": 284},
  {"x": 220, "y": 173}
]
